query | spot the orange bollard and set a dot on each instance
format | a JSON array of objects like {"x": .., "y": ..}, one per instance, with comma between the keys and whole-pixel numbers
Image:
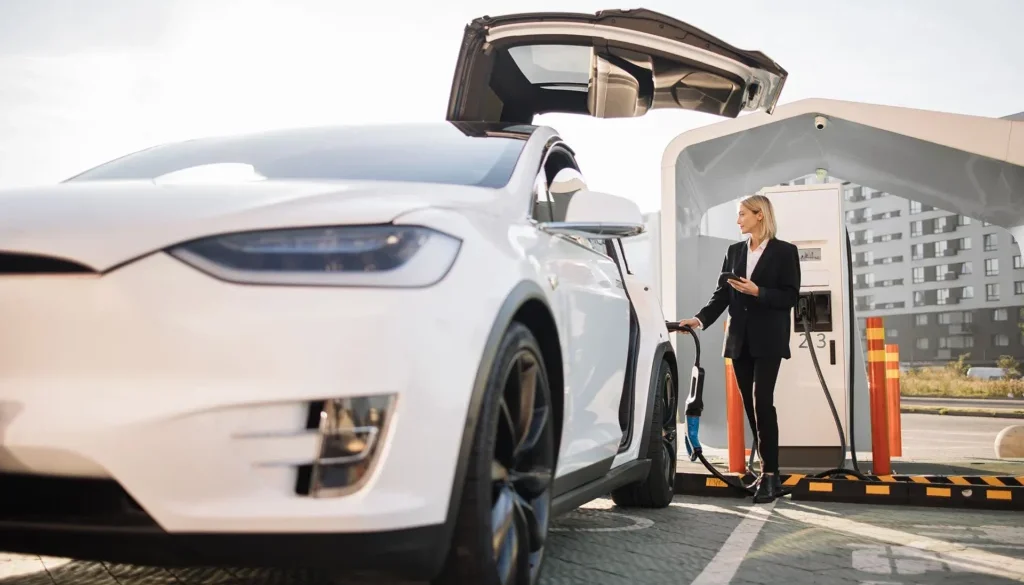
[
  {"x": 880, "y": 463},
  {"x": 892, "y": 394},
  {"x": 735, "y": 416}
]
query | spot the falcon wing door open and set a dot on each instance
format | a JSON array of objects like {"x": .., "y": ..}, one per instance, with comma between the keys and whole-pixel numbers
[{"x": 613, "y": 64}]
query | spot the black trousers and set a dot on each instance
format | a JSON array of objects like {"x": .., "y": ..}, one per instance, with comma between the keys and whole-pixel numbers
[{"x": 756, "y": 378}]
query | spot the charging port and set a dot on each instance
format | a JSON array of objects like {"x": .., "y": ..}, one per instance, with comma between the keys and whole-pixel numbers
[
  {"x": 822, "y": 311},
  {"x": 817, "y": 306}
]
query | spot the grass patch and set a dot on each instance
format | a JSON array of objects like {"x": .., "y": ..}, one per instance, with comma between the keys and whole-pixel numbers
[{"x": 948, "y": 383}]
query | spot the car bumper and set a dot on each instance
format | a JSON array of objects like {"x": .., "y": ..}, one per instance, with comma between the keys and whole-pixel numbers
[
  {"x": 193, "y": 395},
  {"x": 99, "y": 522}
]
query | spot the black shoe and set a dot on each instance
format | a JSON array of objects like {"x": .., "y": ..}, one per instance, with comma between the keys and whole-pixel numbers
[{"x": 766, "y": 490}]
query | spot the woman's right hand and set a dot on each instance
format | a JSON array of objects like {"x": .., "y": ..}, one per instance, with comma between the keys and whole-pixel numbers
[{"x": 691, "y": 323}]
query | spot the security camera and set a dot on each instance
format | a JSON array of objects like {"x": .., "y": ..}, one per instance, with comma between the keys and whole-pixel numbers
[{"x": 820, "y": 122}]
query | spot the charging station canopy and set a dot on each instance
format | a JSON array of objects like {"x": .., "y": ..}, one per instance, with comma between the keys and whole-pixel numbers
[{"x": 964, "y": 164}]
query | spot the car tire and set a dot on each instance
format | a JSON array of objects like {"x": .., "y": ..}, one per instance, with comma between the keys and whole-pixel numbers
[
  {"x": 656, "y": 490},
  {"x": 508, "y": 491}
]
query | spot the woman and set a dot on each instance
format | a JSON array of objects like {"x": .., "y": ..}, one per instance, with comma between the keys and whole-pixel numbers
[{"x": 760, "y": 323}]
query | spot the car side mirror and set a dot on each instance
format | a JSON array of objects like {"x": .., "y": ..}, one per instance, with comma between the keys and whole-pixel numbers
[{"x": 596, "y": 215}]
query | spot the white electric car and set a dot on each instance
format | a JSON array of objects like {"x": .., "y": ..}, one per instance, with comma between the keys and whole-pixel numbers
[{"x": 391, "y": 351}]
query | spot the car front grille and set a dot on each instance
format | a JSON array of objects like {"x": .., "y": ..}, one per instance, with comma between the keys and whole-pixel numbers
[{"x": 68, "y": 501}]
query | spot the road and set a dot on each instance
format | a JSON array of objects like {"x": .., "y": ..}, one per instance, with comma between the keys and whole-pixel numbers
[
  {"x": 937, "y": 437},
  {"x": 698, "y": 541},
  {"x": 997, "y": 403}
]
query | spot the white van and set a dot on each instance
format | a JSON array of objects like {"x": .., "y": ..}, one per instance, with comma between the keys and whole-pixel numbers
[{"x": 986, "y": 373}]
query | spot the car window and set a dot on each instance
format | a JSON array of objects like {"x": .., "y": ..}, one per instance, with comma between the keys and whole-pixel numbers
[{"x": 429, "y": 153}]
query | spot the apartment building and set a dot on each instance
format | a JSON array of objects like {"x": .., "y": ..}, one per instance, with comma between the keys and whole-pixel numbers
[{"x": 945, "y": 284}]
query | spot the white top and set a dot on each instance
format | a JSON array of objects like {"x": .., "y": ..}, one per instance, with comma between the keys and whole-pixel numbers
[{"x": 752, "y": 257}]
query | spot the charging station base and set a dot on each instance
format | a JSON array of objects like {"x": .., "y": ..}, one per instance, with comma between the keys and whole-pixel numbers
[{"x": 975, "y": 492}]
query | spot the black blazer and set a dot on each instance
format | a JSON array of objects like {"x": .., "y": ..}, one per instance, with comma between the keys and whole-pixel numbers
[{"x": 764, "y": 323}]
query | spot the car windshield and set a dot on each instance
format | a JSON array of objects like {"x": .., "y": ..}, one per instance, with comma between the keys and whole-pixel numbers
[{"x": 428, "y": 153}]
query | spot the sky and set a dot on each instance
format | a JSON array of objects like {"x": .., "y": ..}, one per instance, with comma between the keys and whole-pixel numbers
[{"x": 85, "y": 81}]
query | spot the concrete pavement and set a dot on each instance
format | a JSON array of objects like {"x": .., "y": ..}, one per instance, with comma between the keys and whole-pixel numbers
[{"x": 698, "y": 541}]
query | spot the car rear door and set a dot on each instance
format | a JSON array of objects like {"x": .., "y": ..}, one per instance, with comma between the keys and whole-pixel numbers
[{"x": 612, "y": 64}]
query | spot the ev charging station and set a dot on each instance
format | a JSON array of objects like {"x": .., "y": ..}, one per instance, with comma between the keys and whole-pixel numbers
[
  {"x": 960, "y": 164},
  {"x": 811, "y": 218}
]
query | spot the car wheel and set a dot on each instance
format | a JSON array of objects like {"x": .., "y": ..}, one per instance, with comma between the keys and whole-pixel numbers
[
  {"x": 505, "y": 510},
  {"x": 656, "y": 490}
]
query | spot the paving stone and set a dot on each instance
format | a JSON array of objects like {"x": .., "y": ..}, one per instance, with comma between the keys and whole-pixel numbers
[{"x": 600, "y": 544}]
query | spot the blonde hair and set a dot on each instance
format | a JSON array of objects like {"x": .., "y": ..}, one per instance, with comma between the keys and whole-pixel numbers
[{"x": 763, "y": 205}]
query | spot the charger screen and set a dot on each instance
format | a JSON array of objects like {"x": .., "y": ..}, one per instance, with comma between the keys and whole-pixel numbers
[{"x": 809, "y": 254}]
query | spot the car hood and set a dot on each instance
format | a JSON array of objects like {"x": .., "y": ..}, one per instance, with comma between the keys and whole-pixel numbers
[{"x": 104, "y": 224}]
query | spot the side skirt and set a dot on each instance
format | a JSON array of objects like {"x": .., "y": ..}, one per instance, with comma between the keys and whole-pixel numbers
[{"x": 622, "y": 475}]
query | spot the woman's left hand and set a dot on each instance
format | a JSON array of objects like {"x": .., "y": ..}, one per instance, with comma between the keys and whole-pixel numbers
[{"x": 745, "y": 286}]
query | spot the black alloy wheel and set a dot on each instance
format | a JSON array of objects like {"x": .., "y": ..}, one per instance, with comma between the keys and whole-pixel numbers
[{"x": 522, "y": 471}]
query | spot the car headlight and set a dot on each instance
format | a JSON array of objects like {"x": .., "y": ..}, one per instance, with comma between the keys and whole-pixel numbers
[{"x": 373, "y": 256}]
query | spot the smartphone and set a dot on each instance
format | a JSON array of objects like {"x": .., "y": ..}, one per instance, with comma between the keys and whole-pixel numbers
[{"x": 727, "y": 276}]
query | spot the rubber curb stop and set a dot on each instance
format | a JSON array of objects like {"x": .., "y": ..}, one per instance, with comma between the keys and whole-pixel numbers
[
  {"x": 963, "y": 411},
  {"x": 974, "y": 492}
]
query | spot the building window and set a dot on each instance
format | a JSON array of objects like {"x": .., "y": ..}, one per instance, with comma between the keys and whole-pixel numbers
[
  {"x": 915, "y": 207},
  {"x": 1018, "y": 261},
  {"x": 1000, "y": 315},
  {"x": 967, "y": 292},
  {"x": 962, "y": 220},
  {"x": 918, "y": 274},
  {"x": 1001, "y": 340},
  {"x": 956, "y": 342},
  {"x": 991, "y": 241},
  {"x": 892, "y": 333},
  {"x": 1018, "y": 287},
  {"x": 968, "y": 317},
  {"x": 921, "y": 320},
  {"x": 991, "y": 266},
  {"x": 917, "y": 251},
  {"x": 942, "y": 296},
  {"x": 945, "y": 318},
  {"x": 916, "y": 227},
  {"x": 922, "y": 343},
  {"x": 992, "y": 292}
]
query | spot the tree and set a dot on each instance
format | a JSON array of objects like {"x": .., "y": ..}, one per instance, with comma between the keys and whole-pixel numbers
[
  {"x": 960, "y": 366},
  {"x": 1010, "y": 366}
]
